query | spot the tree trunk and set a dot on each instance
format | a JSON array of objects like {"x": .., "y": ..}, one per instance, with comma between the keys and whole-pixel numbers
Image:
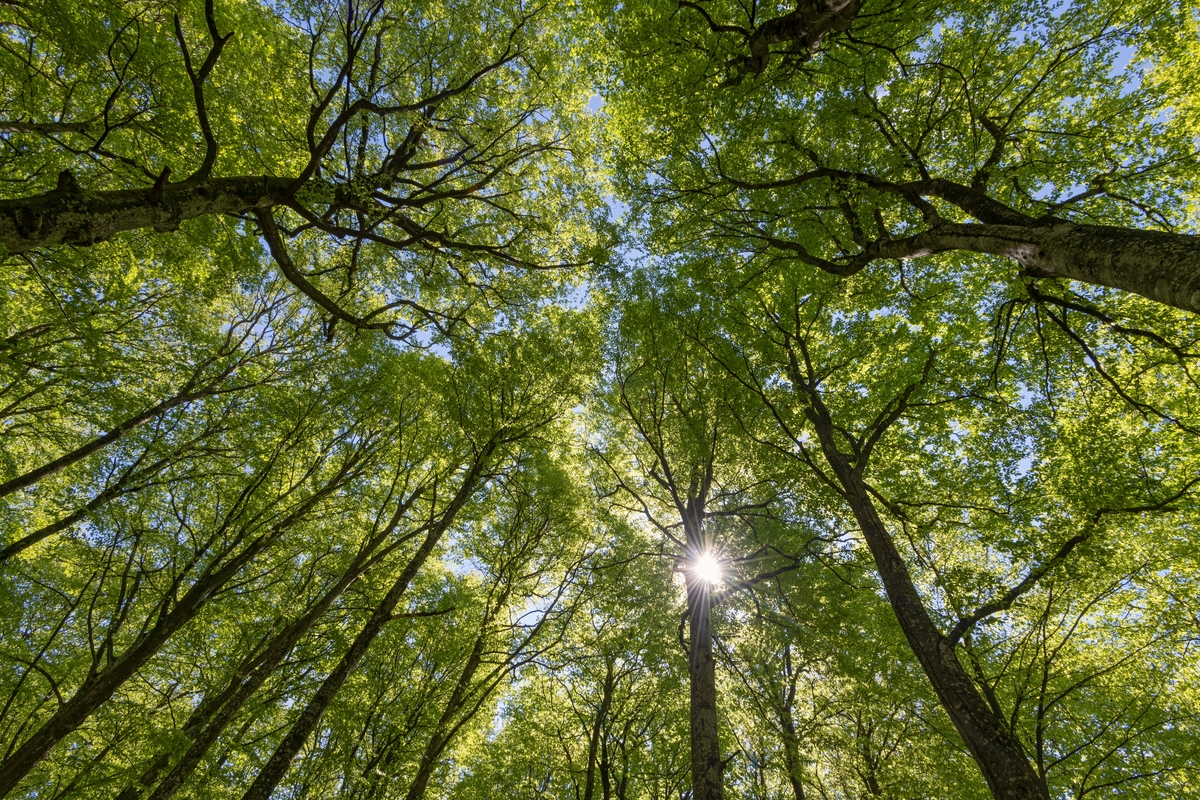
[
  {"x": 1163, "y": 267},
  {"x": 84, "y": 218},
  {"x": 444, "y": 730},
  {"x": 209, "y": 719},
  {"x": 996, "y": 750},
  {"x": 287, "y": 750},
  {"x": 787, "y": 724},
  {"x": 86, "y": 449},
  {"x": 702, "y": 677},
  {"x": 100, "y": 686},
  {"x": 791, "y": 752},
  {"x": 589, "y": 788}
]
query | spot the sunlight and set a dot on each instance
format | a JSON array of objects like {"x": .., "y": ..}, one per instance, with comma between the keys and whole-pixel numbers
[{"x": 707, "y": 568}]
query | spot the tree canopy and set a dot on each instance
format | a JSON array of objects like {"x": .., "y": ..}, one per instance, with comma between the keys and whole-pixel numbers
[{"x": 650, "y": 399}]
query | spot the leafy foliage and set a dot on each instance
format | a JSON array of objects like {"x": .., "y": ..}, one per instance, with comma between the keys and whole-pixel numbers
[{"x": 372, "y": 375}]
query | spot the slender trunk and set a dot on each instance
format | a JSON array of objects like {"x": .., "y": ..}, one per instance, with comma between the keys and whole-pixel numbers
[
  {"x": 702, "y": 677},
  {"x": 100, "y": 686},
  {"x": 124, "y": 484},
  {"x": 791, "y": 754},
  {"x": 81, "y": 219},
  {"x": 46, "y": 531},
  {"x": 605, "y": 772},
  {"x": 209, "y": 719},
  {"x": 287, "y": 750},
  {"x": 187, "y": 393},
  {"x": 444, "y": 731},
  {"x": 589, "y": 788},
  {"x": 98, "y": 443},
  {"x": 43, "y": 128},
  {"x": 787, "y": 724},
  {"x": 995, "y": 748}
]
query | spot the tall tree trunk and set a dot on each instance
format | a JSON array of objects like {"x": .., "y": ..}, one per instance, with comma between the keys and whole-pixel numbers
[
  {"x": 212, "y": 716},
  {"x": 791, "y": 756},
  {"x": 287, "y": 750},
  {"x": 787, "y": 724},
  {"x": 127, "y": 482},
  {"x": 100, "y": 685},
  {"x": 589, "y": 787},
  {"x": 702, "y": 677},
  {"x": 444, "y": 730},
  {"x": 96, "y": 444},
  {"x": 191, "y": 391},
  {"x": 995, "y": 748}
]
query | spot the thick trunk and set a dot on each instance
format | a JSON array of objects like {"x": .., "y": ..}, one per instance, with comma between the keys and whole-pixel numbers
[
  {"x": 287, "y": 750},
  {"x": 996, "y": 750},
  {"x": 83, "y": 218},
  {"x": 702, "y": 677},
  {"x": 1163, "y": 267},
  {"x": 803, "y": 30},
  {"x": 805, "y": 27}
]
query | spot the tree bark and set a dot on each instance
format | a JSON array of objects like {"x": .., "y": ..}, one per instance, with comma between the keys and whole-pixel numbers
[
  {"x": 210, "y": 719},
  {"x": 84, "y": 218},
  {"x": 806, "y": 28},
  {"x": 791, "y": 740},
  {"x": 188, "y": 393},
  {"x": 996, "y": 749},
  {"x": 702, "y": 678},
  {"x": 444, "y": 730},
  {"x": 100, "y": 685},
  {"x": 791, "y": 756},
  {"x": 589, "y": 788},
  {"x": 1163, "y": 267},
  {"x": 43, "y": 128}
]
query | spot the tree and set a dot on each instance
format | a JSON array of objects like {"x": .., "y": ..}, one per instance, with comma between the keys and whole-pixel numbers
[
  {"x": 398, "y": 201},
  {"x": 350, "y": 448},
  {"x": 883, "y": 148}
]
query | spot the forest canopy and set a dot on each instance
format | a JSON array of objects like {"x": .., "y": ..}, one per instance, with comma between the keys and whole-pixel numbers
[{"x": 653, "y": 400}]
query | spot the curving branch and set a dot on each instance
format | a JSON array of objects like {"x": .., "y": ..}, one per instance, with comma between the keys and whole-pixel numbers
[
  {"x": 198, "y": 79},
  {"x": 1005, "y": 601},
  {"x": 803, "y": 30}
]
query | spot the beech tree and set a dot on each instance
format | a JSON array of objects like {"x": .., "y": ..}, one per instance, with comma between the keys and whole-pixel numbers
[{"x": 642, "y": 400}]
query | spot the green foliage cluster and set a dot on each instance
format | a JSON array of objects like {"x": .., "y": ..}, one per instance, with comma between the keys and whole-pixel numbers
[{"x": 373, "y": 373}]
